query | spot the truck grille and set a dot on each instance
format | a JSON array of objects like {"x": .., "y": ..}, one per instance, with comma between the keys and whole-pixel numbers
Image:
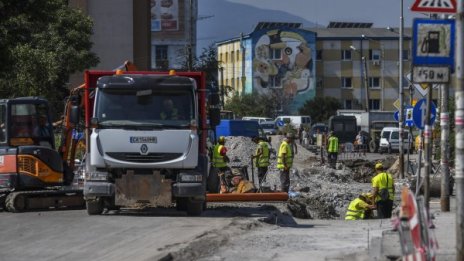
[{"x": 150, "y": 158}]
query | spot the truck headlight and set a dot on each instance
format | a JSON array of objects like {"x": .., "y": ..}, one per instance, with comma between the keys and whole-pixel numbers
[
  {"x": 189, "y": 177},
  {"x": 96, "y": 175}
]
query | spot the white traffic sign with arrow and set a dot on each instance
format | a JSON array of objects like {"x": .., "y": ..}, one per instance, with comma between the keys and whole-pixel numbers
[{"x": 434, "y": 6}]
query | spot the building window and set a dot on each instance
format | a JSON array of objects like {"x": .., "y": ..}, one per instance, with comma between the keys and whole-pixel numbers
[
  {"x": 276, "y": 54},
  {"x": 275, "y": 81},
  {"x": 348, "y": 104},
  {"x": 405, "y": 54},
  {"x": 375, "y": 55},
  {"x": 227, "y": 58},
  {"x": 232, "y": 83},
  {"x": 346, "y": 82},
  {"x": 319, "y": 55},
  {"x": 374, "y": 104},
  {"x": 232, "y": 57},
  {"x": 346, "y": 55},
  {"x": 161, "y": 56},
  {"x": 374, "y": 82}
]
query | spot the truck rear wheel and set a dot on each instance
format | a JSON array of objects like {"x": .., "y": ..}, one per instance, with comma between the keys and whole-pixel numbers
[
  {"x": 181, "y": 204},
  {"x": 194, "y": 207},
  {"x": 94, "y": 206}
]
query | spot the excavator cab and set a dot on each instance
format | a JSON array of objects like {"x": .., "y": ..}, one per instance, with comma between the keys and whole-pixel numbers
[{"x": 29, "y": 162}]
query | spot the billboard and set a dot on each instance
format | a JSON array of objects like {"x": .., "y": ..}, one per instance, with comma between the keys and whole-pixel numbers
[{"x": 164, "y": 15}]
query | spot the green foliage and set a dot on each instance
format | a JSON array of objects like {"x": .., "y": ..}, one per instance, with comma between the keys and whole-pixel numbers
[
  {"x": 320, "y": 108},
  {"x": 205, "y": 62},
  {"x": 253, "y": 104},
  {"x": 41, "y": 44}
]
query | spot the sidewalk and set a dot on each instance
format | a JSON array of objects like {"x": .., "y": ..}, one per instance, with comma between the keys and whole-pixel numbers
[{"x": 445, "y": 232}]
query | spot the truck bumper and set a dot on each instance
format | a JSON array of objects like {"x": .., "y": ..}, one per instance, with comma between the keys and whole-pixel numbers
[
  {"x": 188, "y": 190},
  {"x": 98, "y": 189}
]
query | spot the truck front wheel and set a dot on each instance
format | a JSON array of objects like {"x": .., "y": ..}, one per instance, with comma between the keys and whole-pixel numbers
[
  {"x": 194, "y": 207},
  {"x": 94, "y": 206}
]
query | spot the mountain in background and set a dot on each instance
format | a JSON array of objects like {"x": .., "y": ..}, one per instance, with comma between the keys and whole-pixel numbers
[{"x": 220, "y": 20}]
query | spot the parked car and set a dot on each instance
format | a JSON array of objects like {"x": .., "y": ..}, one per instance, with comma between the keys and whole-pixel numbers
[
  {"x": 390, "y": 140},
  {"x": 296, "y": 121},
  {"x": 258, "y": 119},
  {"x": 269, "y": 127},
  {"x": 321, "y": 127}
]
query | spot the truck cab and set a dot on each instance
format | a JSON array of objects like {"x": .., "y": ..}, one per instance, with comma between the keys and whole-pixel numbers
[{"x": 146, "y": 142}]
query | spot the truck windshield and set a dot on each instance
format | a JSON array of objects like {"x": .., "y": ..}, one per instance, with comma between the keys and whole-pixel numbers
[{"x": 145, "y": 108}]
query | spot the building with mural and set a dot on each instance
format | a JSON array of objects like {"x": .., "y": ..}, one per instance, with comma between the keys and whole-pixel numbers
[
  {"x": 276, "y": 59},
  {"x": 300, "y": 64}
]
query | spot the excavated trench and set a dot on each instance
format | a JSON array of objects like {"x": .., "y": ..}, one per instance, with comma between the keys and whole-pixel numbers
[{"x": 316, "y": 191}]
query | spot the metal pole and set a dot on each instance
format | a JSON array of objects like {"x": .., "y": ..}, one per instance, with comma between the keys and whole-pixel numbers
[
  {"x": 400, "y": 86},
  {"x": 366, "y": 85},
  {"x": 444, "y": 124},
  {"x": 427, "y": 147},
  {"x": 459, "y": 129},
  {"x": 242, "y": 50},
  {"x": 419, "y": 164},
  {"x": 222, "y": 86}
]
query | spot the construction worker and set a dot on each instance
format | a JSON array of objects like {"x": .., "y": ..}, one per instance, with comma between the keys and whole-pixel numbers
[
  {"x": 220, "y": 161},
  {"x": 261, "y": 158},
  {"x": 383, "y": 191},
  {"x": 360, "y": 207},
  {"x": 242, "y": 186},
  {"x": 332, "y": 149},
  {"x": 285, "y": 161}
]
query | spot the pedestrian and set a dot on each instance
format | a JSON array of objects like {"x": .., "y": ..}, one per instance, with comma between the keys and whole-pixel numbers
[
  {"x": 300, "y": 134},
  {"x": 383, "y": 191},
  {"x": 305, "y": 137},
  {"x": 332, "y": 149},
  {"x": 360, "y": 208},
  {"x": 359, "y": 142},
  {"x": 261, "y": 158},
  {"x": 285, "y": 161}
]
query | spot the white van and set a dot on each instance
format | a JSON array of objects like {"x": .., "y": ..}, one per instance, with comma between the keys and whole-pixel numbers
[
  {"x": 258, "y": 119},
  {"x": 296, "y": 121},
  {"x": 390, "y": 139}
]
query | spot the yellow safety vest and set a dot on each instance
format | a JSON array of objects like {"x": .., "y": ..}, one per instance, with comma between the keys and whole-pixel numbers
[
  {"x": 218, "y": 159},
  {"x": 380, "y": 182},
  {"x": 356, "y": 209},
  {"x": 284, "y": 148},
  {"x": 263, "y": 159},
  {"x": 333, "y": 144}
]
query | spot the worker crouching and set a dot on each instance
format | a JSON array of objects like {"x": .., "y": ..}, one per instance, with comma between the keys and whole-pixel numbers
[
  {"x": 360, "y": 208},
  {"x": 242, "y": 186}
]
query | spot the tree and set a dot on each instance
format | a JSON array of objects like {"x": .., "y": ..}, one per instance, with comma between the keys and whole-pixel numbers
[
  {"x": 41, "y": 44},
  {"x": 206, "y": 62},
  {"x": 254, "y": 104},
  {"x": 320, "y": 109}
]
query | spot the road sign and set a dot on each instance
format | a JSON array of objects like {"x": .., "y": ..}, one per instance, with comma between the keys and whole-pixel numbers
[
  {"x": 280, "y": 123},
  {"x": 431, "y": 74},
  {"x": 439, "y": 6},
  {"x": 419, "y": 113},
  {"x": 408, "y": 119},
  {"x": 433, "y": 42},
  {"x": 397, "y": 104}
]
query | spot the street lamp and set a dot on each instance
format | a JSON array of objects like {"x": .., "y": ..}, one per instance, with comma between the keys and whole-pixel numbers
[
  {"x": 366, "y": 85},
  {"x": 382, "y": 76}
]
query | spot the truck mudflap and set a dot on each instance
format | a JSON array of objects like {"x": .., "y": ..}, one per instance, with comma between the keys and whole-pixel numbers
[
  {"x": 98, "y": 189},
  {"x": 21, "y": 201},
  {"x": 133, "y": 190},
  {"x": 188, "y": 189}
]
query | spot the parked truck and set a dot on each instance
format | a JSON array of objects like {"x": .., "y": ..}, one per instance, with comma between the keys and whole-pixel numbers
[
  {"x": 371, "y": 124},
  {"x": 137, "y": 156}
]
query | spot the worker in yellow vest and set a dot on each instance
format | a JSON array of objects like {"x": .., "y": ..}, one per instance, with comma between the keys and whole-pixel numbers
[
  {"x": 220, "y": 161},
  {"x": 383, "y": 191},
  {"x": 332, "y": 149},
  {"x": 360, "y": 207},
  {"x": 261, "y": 158},
  {"x": 285, "y": 161},
  {"x": 242, "y": 186}
]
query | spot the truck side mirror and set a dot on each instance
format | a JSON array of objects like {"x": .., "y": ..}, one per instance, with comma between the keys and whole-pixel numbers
[
  {"x": 74, "y": 115},
  {"x": 214, "y": 116}
]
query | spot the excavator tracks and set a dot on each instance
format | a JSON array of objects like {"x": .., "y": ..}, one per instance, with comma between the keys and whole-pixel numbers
[{"x": 21, "y": 201}]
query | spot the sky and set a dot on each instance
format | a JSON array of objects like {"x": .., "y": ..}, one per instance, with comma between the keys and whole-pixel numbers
[{"x": 225, "y": 19}]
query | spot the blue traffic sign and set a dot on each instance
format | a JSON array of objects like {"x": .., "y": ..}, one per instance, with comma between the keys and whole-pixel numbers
[
  {"x": 433, "y": 42},
  {"x": 280, "y": 123},
  {"x": 408, "y": 121},
  {"x": 419, "y": 113}
]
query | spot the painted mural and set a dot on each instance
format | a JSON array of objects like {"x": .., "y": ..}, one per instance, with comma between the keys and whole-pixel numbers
[{"x": 284, "y": 60}]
